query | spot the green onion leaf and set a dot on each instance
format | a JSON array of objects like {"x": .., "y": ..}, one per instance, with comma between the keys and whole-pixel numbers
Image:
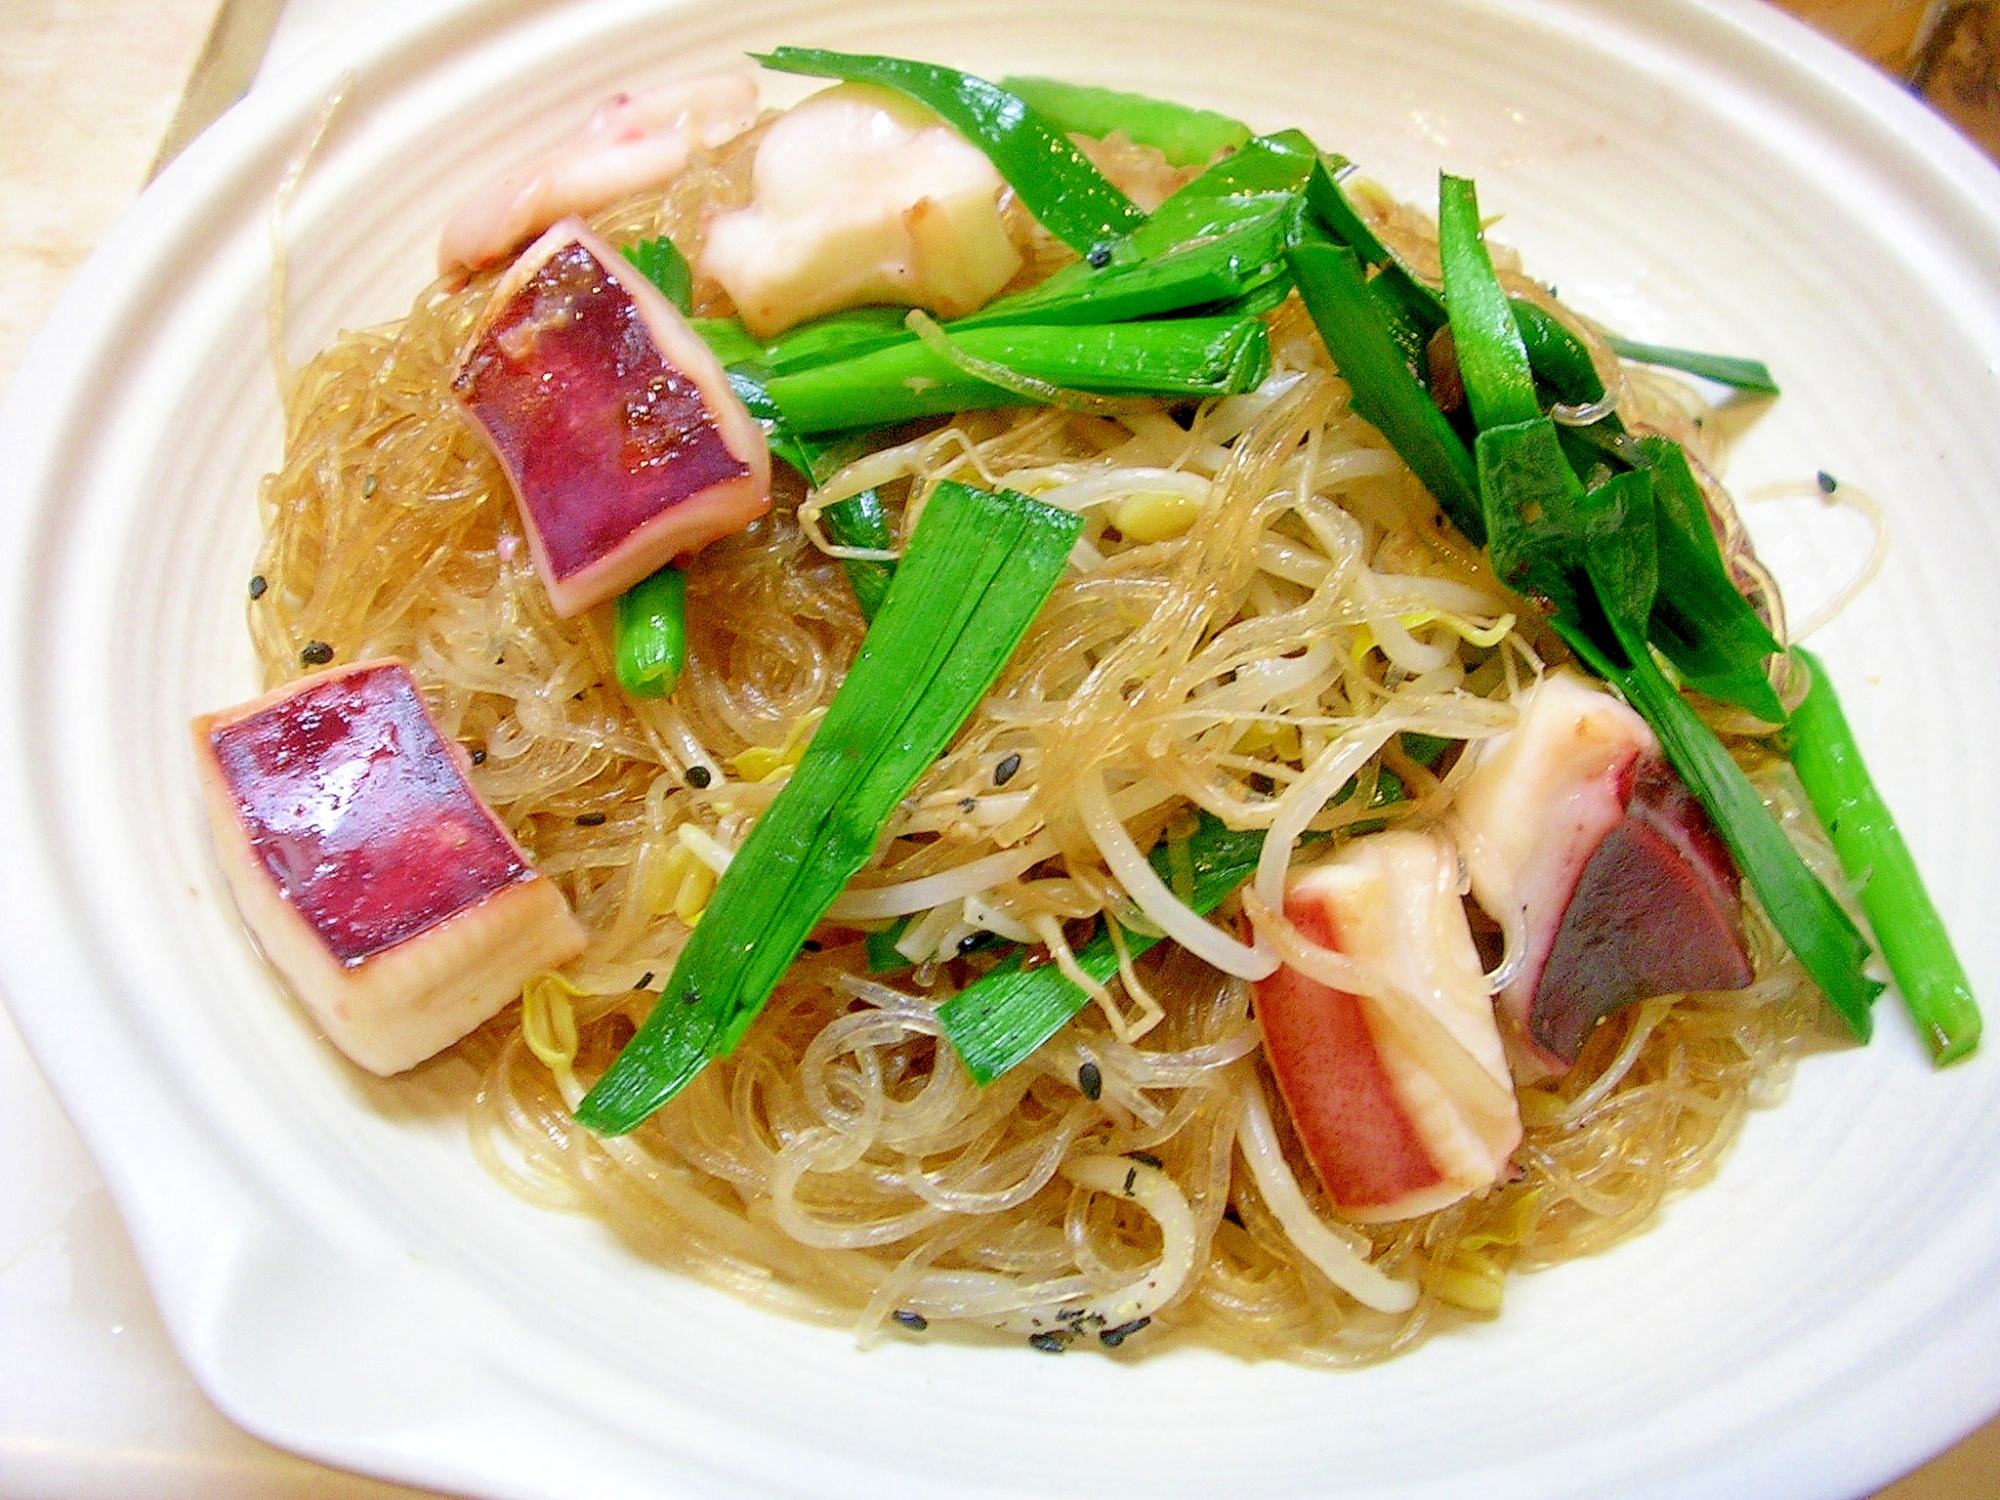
[
  {"x": 1872, "y": 852},
  {"x": 1724, "y": 369},
  {"x": 859, "y": 521},
  {"x": 974, "y": 576},
  {"x": 730, "y": 342},
  {"x": 1539, "y": 520},
  {"x": 1705, "y": 627},
  {"x": 1326, "y": 197},
  {"x": 662, "y": 264},
  {"x": 1559, "y": 358},
  {"x": 839, "y": 335},
  {"x": 884, "y": 957},
  {"x": 1184, "y": 135},
  {"x": 650, "y": 634},
  {"x": 1175, "y": 357},
  {"x": 1055, "y": 181},
  {"x": 1386, "y": 392},
  {"x": 855, "y": 522},
  {"x": 1499, "y": 382},
  {"x": 1004, "y": 1015}
]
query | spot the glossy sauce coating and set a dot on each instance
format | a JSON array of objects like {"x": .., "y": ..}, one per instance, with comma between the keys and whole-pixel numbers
[
  {"x": 359, "y": 811},
  {"x": 599, "y": 431}
]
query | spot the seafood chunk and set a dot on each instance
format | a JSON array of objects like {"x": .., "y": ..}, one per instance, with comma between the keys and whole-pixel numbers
[
  {"x": 624, "y": 442},
  {"x": 368, "y": 869},
  {"x": 860, "y": 196},
  {"x": 1401, "y": 1107},
  {"x": 1577, "y": 833},
  {"x": 630, "y": 143}
]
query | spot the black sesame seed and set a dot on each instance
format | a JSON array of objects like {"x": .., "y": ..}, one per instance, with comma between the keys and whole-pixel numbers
[
  {"x": 367, "y": 486},
  {"x": 1100, "y": 255},
  {"x": 316, "y": 654},
  {"x": 1111, "y": 1338},
  {"x": 1827, "y": 483},
  {"x": 644, "y": 980},
  {"x": 1131, "y": 1177},
  {"x": 257, "y": 586},
  {"x": 970, "y": 942},
  {"x": 690, "y": 996},
  {"x": 1148, "y": 1158},
  {"x": 1009, "y": 764},
  {"x": 1048, "y": 1343},
  {"x": 916, "y": 1322},
  {"x": 699, "y": 776},
  {"x": 590, "y": 820},
  {"x": 968, "y": 804},
  {"x": 1090, "y": 1079},
  {"x": 812, "y": 945},
  {"x": 479, "y": 757}
]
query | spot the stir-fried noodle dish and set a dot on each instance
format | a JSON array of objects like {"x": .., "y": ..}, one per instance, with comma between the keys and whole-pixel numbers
[{"x": 1044, "y": 719}]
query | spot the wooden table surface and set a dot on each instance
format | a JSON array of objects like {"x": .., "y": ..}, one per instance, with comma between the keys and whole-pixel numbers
[{"x": 89, "y": 91}]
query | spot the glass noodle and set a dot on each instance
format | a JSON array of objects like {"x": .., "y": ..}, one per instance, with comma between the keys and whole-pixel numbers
[{"x": 1302, "y": 608}]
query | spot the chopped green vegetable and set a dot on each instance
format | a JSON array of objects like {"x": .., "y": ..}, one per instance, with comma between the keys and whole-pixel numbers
[
  {"x": 1412, "y": 310},
  {"x": 976, "y": 572},
  {"x": 1184, "y": 135},
  {"x": 650, "y": 638},
  {"x": 883, "y": 955},
  {"x": 1706, "y": 628},
  {"x": 1001, "y": 1017},
  {"x": 730, "y": 342},
  {"x": 1221, "y": 238},
  {"x": 859, "y": 521},
  {"x": 837, "y": 336},
  {"x": 1386, "y": 392},
  {"x": 1055, "y": 181},
  {"x": 1492, "y": 359},
  {"x": 1175, "y": 357},
  {"x": 1593, "y": 557},
  {"x": 1559, "y": 358},
  {"x": 1724, "y": 369},
  {"x": 1872, "y": 852},
  {"x": 662, "y": 264}
]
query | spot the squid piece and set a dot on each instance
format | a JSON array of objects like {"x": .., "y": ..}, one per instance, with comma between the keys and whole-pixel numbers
[
  {"x": 861, "y": 196},
  {"x": 616, "y": 425},
  {"x": 1579, "y": 837},
  {"x": 630, "y": 143},
  {"x": 368, "y": 869},
  {"x": 1403, "y": 1105}
]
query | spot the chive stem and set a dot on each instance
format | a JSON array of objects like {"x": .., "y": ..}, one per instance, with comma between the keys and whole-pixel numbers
[
  {"x": 1907, "y": 926},
  {"x": 650, "y": 634},
  {"x": 976, "y": 572}
]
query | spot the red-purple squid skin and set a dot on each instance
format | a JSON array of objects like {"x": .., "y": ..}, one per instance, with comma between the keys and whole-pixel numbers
[
  {"x": 1658, "y": 910},
  {"x": 617, "y": 428},
  {"x": 360, "y": 813},
  {"x": 377, "y": 882}
]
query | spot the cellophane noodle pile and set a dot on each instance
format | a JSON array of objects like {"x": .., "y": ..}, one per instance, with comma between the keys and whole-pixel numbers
[{"x": 841, "y": 1165}]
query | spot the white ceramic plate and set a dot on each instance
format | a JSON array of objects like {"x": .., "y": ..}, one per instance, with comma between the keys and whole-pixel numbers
[{"x": 345, "y": 1281}]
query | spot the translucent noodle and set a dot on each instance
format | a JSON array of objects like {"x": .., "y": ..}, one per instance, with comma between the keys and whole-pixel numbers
[{"x": 841, "y": 1165}]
